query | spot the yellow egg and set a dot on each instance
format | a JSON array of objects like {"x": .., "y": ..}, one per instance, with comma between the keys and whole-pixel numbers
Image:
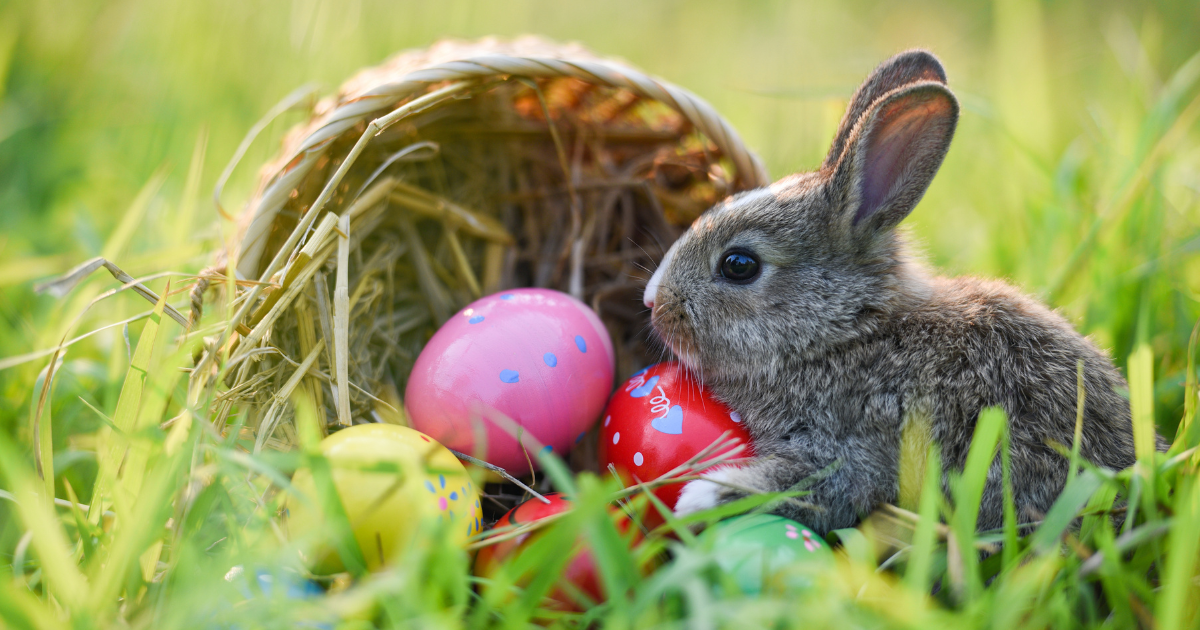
[{"x": 391, "y": 480}]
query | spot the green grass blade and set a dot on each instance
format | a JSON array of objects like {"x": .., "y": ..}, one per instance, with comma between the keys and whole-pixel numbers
[
  {"x": 87, "y": 532},
  {"x": 969, "y": 486},
  {"x": 556, "y": 469},
  {"x": 43, "y": 427},
  {"x": 1016, "y": 602},
  {"x": 610, "y": 550},
  {"x": 36, "y": 512},
  {"x": 327, "y": 497},
  {"x": 164, "y": 375},
  {"x": 1188, "y": 434},
  {"x": 1179, "y": 590},
  {"x": 1073, "y": 497},
  {"x": 22, "y": 610},
  {"x": 915, "y": 438},
  {"x": 1077, "y": 438},
  {"x": 1113, "y": 578},
  {"x": 968, "y": 493},
  {"x": 856, "y": 546},
  {"x": 128, "y": 409},
  {"x": 925, "y": 536},
  {"x": 738, "y": 506},
  {"x": 1141, "y": 401},
  {"x": 1102, "y": 500},
  {"x": 138, "y": 528},
  {"x": 670, "y": 523},
  {"x": 1011, "y": 534}
]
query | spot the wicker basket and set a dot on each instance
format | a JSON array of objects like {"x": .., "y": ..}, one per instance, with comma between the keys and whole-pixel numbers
[{"x": 445, "y": 174}]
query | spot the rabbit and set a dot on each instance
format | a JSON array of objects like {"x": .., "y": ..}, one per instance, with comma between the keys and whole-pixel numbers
[{"x": 799, "y": 306}]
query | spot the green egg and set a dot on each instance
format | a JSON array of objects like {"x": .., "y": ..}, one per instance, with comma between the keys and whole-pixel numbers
[{"x": 768, "y": 552}]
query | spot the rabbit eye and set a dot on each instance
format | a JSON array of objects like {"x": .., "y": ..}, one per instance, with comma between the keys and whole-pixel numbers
[{"x": 740, "y": 267}]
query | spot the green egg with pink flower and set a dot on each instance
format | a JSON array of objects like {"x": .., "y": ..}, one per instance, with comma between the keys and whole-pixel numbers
[{"x": 765, "y": 552}]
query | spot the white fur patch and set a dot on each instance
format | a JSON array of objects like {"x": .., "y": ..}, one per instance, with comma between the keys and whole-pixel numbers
[
  {"x": 656, "y": 279},
  {"x": 702, "y": 494}
]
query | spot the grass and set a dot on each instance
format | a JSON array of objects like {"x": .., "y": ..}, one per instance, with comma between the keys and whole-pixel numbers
[{"x": 1075, "y": 174}]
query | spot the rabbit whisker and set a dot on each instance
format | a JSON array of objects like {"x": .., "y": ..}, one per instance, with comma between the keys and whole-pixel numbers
[{"x": 648, "y": 255}]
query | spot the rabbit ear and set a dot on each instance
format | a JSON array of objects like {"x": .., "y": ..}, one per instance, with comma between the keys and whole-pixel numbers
[
  {"x": 893, "y": 153},
  {"x": 903, "y": 69}
]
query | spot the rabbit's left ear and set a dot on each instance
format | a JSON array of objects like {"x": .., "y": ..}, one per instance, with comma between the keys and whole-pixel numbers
[
  {"x": 906, "y": 68},
  {"x": 892, "y": 154}
]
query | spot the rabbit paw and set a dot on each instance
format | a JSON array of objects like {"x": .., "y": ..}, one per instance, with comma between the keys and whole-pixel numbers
[{"x": 702, "y": 494}]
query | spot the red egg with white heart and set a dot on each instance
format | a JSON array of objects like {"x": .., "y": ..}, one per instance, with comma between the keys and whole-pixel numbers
[
  {"x": 511, "y": 374},
  {"x": 580, "y": 572},
  {"x": 657, "y": 421}
]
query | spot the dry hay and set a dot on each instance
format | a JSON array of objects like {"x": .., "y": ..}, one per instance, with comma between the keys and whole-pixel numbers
[{"x": 496, "y": 165}]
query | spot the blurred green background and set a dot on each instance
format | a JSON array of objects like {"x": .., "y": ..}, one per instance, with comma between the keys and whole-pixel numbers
[{"x": 1075, "y": 173}]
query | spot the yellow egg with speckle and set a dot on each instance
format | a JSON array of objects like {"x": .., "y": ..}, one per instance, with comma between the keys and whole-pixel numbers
[{"x": 392, "y": 481}]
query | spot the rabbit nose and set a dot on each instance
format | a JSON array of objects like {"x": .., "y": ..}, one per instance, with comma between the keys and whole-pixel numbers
[{"x": 652, "y": 289}]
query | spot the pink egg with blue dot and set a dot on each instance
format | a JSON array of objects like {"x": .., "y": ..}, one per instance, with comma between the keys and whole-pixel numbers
[{"x": 530, "y": 362}]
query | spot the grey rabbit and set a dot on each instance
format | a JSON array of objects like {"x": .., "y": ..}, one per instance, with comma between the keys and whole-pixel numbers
[{"x": 799, "y": 306}]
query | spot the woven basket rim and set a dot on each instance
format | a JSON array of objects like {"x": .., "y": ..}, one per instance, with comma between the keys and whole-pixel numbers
[{"x": 355, "y": 106}]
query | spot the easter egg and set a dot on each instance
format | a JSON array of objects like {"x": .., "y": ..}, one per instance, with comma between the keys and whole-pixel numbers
[
  {"x": 533, "y": 363},
  {"x": 264, "y": 597},
  {"x": 581, "y": 569},
  {"x": 391, "y": 480},
  {"x": 761, "y": 550},
  {"x": 283, "y": 584},
  {"x": 658, "y": 420}
]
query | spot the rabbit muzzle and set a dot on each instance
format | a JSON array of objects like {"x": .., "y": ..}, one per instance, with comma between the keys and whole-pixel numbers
[{"x": 670, "y": 319}]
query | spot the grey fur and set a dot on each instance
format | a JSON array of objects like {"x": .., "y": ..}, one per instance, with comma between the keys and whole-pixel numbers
[{"x": 843, "y": 337}]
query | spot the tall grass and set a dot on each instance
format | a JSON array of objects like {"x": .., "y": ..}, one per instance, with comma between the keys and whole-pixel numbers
[{"x": 1075, "y": 174}]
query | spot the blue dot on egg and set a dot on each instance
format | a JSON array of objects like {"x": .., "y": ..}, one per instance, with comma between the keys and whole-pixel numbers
[
  {"x": 442, "y": 480},
  {"x": 580, "y": 343},
  {"x": 430, "y": 486},
  {"x": 453, "y": 496},
  {"x": 475, "y": 320},
  {"x": 508, "y": 296},
  {"x": 509, "y": 376},
  {"x": 547, "y": 449},
  {"x": 550, "y": 359}
]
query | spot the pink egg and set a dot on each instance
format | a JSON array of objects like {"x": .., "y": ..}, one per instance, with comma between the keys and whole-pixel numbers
[{"x": 538, "y": 357}]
